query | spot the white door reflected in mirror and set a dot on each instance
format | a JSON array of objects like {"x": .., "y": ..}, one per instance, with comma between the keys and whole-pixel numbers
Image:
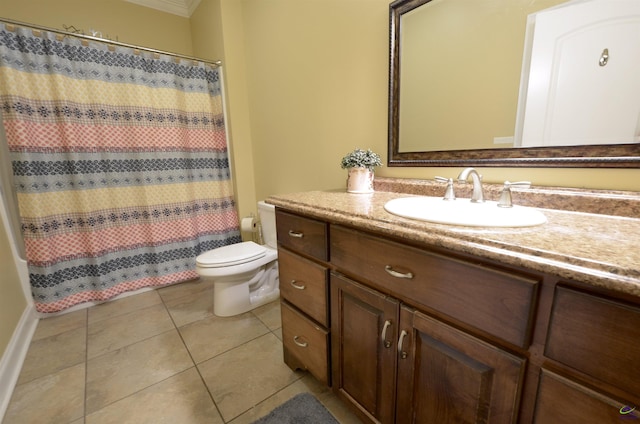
[{"x": 580, "y": 82}]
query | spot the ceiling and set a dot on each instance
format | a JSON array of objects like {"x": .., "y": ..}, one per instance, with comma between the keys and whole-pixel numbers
[{"x": 182, "y": 8}]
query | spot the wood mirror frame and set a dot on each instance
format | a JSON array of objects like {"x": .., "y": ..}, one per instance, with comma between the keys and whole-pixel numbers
[{"x": 591, "y": 156}]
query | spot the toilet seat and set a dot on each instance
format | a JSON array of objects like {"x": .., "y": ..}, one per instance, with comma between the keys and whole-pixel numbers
[{"x": 233, "y": 254}]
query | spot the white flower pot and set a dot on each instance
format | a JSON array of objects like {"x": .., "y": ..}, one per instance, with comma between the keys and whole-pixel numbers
[{"x": 360, "y": 180}]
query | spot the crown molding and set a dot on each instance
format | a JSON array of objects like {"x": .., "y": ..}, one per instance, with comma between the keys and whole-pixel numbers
[{"x": 182, "y": 8}]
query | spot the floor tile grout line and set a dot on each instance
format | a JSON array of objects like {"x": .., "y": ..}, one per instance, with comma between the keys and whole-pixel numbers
[
  {"x": 31, "y": 343},
  {"x": 175, "y": 326},
  {"x": 236, "y": 347},
  {"x": 265, "y": 400},
  {"x": 120, "y": 297},
  {"x": 131, "y": 344},
  {"x": 133, "y": 311},
  {"x": 263, "y": 318},
  {"x": 195, "y": 365},
  {"x": 140, "y": 390},
  {"x": 217, "y": 355},
  {"x": 84, "y": 362},
  {"x": 206, "y": 387},
  {"x": 269, "y": 330},
  {"x": 229, "y": 350}
]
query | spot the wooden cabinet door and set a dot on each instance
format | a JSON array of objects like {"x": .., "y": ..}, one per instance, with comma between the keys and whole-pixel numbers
[
  {"x": 364, "y": 326},
  {"x": 447, "y": 376},
  {"x": 596, "y": 336},
  {"x": 562, "y": 401}
]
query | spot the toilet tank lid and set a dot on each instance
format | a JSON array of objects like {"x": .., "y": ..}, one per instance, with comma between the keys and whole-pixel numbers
[{"x": 233, "y": 254}]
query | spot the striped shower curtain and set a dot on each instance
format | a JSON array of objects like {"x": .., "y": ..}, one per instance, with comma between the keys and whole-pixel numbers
[{"x": 121, "y": 164}]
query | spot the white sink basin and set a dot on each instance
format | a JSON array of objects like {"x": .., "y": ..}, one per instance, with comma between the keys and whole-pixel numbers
[{"x": 463, "y": 212}]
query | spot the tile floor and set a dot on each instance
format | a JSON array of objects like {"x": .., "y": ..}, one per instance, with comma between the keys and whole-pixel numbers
[{"x": 159, "y": 357}]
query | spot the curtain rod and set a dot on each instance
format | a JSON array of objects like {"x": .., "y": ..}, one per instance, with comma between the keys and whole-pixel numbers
[{"x": 216, "y": 63}]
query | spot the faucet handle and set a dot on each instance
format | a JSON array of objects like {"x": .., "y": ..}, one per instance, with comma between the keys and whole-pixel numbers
[
  {"x": 505, "y": 196},
  {"x": 449, "y": 193},
  {"x": 523, "y": 184}
]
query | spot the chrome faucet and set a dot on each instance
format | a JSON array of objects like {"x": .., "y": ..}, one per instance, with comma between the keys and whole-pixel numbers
[{"x": 478, "y": 196}]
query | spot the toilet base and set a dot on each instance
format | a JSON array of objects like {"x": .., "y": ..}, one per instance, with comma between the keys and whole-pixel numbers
[{"x": 245, "y": 292}]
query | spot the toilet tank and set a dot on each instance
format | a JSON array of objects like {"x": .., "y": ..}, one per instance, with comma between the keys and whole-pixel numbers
[{"x": 267, "y": 214}]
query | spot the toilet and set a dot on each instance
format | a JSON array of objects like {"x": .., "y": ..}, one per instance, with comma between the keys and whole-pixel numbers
[{"x": 244, "y": 275}]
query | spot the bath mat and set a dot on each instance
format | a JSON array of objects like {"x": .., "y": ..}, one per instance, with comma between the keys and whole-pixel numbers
[{"x": 300, "y": 409}]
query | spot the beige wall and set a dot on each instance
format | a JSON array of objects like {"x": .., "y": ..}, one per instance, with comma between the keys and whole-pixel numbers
[
  {"x": 12, "y": 301},
  {"x": 317, "y": 75}
]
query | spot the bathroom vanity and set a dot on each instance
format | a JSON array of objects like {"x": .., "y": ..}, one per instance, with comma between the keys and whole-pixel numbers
[{"x": 413, "y": 322}]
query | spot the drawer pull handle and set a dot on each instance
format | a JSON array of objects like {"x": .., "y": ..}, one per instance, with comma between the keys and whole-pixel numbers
[
  {"x": 392, "y": 272},
  {"x": 402, "y": 353},
  {"x": 296, "y": 286},
  {"x": 386, "y": 342},
  {"x": 296, "y": 234},
  {"x": 301, "y": 344}
]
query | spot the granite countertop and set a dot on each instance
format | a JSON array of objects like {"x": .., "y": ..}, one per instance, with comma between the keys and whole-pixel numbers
[{"x": 600, "y": 250}]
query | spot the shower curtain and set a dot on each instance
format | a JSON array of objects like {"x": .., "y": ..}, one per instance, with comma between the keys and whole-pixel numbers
[{"x": 121, "y": 164}]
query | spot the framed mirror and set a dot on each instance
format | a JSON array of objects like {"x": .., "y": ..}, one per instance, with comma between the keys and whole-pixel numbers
[{"x": 454, "y": 77}]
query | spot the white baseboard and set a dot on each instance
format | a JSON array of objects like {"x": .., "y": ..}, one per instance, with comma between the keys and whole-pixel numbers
[{"x": 14, "y": 356}]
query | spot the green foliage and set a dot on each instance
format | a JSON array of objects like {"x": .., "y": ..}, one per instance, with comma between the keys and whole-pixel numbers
[{"x": 361, "y": 158}]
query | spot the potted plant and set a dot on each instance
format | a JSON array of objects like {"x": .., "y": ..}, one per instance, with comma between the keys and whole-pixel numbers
[{"x": 360, "y": 164}]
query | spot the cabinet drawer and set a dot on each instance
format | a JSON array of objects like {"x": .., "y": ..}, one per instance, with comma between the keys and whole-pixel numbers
[
  {"x": 495, "y": 301},
  {"x": 303, "y": 235},
  {"x": 306, "y": 342},
  {"x": 562, "y": 401},
  {"x": 304, "y": 284},
  {"x": 596, "y": 336}
]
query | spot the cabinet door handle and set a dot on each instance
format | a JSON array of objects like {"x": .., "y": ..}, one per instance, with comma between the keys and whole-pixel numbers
[
  {"x": 401, "y": 352},
  {"x": 296, "y": 234},
  {"x": 296, "y": 286},
  {"x": 386, "y": 342},
  {"x": 301, "y": 344},
  {"x": 392, "y": 272}
]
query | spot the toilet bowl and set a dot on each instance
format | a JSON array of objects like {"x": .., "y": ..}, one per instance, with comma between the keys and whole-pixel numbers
[{"x": 244, "y": 275}]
